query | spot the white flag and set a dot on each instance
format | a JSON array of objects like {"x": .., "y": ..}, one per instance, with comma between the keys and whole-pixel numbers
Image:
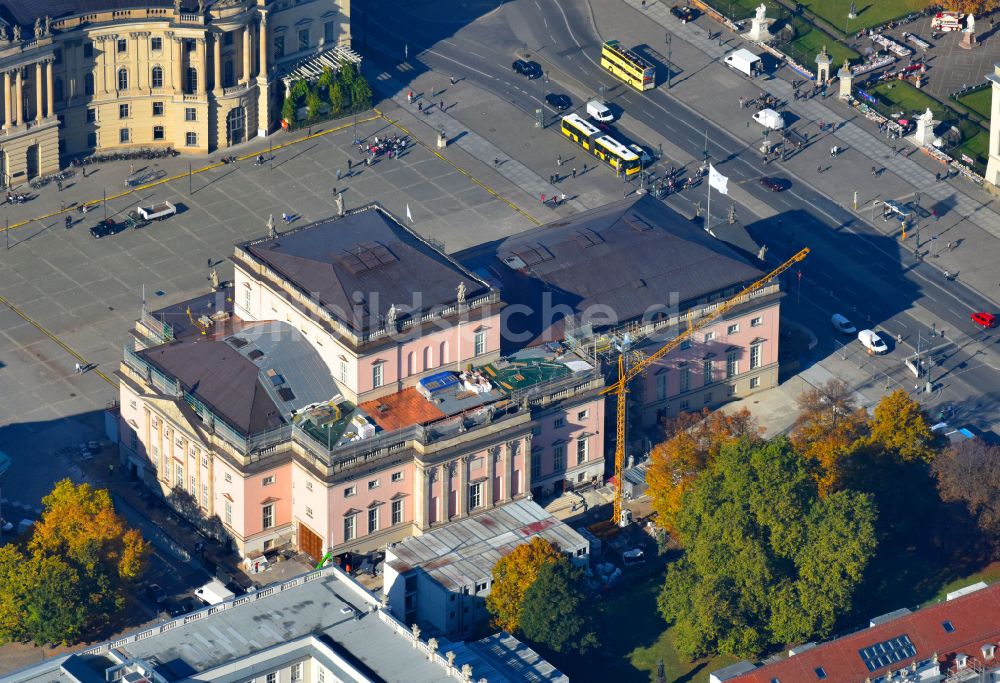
[
  {"x": 717, "y": 180},
  {"x": 409, "y": 216}
]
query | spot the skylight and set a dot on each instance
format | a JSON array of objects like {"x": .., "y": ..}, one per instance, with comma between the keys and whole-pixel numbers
[
  {"x": 948, "y": 627},
  {"x": 887, "y": 652}
]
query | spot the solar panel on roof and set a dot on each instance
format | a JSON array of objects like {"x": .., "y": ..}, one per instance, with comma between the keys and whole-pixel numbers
[
  {"x": 887, "y": 652},
  {"x": 286, "y": 394}
]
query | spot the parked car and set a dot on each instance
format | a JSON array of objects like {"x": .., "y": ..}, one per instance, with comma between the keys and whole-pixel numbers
[
  {"x": 529, "y": 70},
  {"x": 685, "y": 14},
  {"x": 775, "y": 184},
  {"x": 558, "y": 102},
  {"x": 842, "y": 324},
  {"x": 155, "y": 593},
  {"x": 106, "y": 227},
  {"x": 873, "y": 343},
  {"x": 984, "y": 320}
]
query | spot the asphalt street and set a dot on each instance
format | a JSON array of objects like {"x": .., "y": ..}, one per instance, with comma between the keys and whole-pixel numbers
[{"x": 853, "y": 268}]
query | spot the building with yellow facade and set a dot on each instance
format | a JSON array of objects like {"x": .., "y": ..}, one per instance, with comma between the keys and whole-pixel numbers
[{"x": 195, "y": 75}]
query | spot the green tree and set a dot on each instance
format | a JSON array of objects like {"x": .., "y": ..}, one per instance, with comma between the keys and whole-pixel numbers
[
  {"x": 56, "y": 608},
  {"x": 288, "y": 110},
  {"x": 555, "y": 612},
  {"x": 898, "y": 426},
  {"x": 361, "y": 94},
  {"x": 313, "y": 104},
  {"x": 336, "y": 98},
  {"x": 326, "y": 79},
  {"x": 513, "y": 574},
  {"x": 767, "y": 561},
  {"x": 347, "y": 74}
]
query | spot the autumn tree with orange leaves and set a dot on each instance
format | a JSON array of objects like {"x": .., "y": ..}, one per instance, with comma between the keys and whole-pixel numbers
[
  {"x": 71, "y": 578},
  {"x": 975, "y": 7},
  {"x": 513, "y": 575},
  {"x": 827, "y": 428},
  {"x": 695, "y": 442}
]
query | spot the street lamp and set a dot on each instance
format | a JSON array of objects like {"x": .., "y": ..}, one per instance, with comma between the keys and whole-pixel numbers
[{"x": 669, "y": 65}]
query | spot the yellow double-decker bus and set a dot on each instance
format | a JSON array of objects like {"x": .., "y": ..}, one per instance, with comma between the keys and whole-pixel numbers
[
  {"x": 628, "y": 66},
  {"x": 603, "y": 146}
]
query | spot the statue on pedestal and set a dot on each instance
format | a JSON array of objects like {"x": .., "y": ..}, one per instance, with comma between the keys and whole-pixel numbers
[
  {"x": 38, "y": 28},
  {"x": 17, "y": 33},
  {"x": 390, "y": 318},
  {"x": 3, "y": 32},
  {"x": 460, "y": 290}
]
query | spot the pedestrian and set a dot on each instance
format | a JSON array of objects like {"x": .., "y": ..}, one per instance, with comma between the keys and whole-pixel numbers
[
  {"x": 496, "y": 162},
  {"x": 552, "y": 180},
  {"x": 338, "y": 174},
  {"x": 559, "y": 160},
  {"x": 349, "y": 164},
  {"x": 644, "y": 4},
  {"x": 208, "y": 263},
  {"x": 937, "y": 177},
  {"x": 441, "y": 105},
  {"x": 409, "y": 97},
  {"x": 333, "y": 191},
  {"x": 584, "y": 169},
  {"x": 285, "y": 217},
  {"x": 131, "y": 169},
  {"x": 562, "y": 198},
  {"x": 574, "y": 171},
  {"x": 78, "y": 368},
  {"x": 59, "y": 185},
  {"x": 420, "y": 106},
  {"x": 453, "y": 80},
  {"x": 819, "y": 169},
  {"x": 84, "y": 169},
  {"x": 873, "y": 171}
]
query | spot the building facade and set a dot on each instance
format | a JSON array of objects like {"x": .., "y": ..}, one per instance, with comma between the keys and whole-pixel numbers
[
  {"x": 253, "y": 412},
  {"x": 192, "y": 76}
]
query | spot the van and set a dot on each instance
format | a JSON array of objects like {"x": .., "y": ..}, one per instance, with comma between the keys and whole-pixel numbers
[
  {"x": 599, "y": 112},
  {"x": 214, "y": 592}
]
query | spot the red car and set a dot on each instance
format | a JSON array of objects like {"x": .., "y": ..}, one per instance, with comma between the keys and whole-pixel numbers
[{"x": 984, "y": 320}]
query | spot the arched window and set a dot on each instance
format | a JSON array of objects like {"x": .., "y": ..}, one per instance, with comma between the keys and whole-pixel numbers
[
  {"x": 444, "y": 353},
  {"x": 88, "y": 84},
  {"x": 192, "y": 80},
  {"x": 123, "y": 78},
  {"x": 428, "y": 360},
  {"x": 157, "y": 78},
  {"x": 411, "y": 361}
]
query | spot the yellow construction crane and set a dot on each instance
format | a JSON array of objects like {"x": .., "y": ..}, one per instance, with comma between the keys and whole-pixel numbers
[
  {"x": 625, "y": 375},
  {"x": 197, "y": 323}
]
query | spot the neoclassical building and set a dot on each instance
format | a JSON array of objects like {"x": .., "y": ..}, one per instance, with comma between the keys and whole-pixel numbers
[{"x": 196, "y": 75}]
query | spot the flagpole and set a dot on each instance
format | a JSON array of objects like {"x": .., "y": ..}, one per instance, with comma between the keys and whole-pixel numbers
[{"x": 708, "y": 209}]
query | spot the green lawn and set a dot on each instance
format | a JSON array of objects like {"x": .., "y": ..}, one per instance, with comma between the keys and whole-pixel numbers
[
  {"x": 870, "y": 12},
  {"x": 979, "y": 101},
  {"x": 810, "y": 41},
  {"x": 911, "y": 101},
  {"x": 977, "y": 147},
  {"x": 990, "y": 575},
  {"x": 634, "y": 638}
]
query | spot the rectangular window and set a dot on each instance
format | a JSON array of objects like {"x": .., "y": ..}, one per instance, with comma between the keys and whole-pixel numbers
[
  {"x": 309, "y": 512},
  {"x": 755, "y": 356},
  {"x": 733, "y": 329},
  {"x": 706, "y": 370},
  {"x": 157, "y": 108},
  {"x": 558, "y": 457},
  {"x": 349, "y": 528},
  {"x": 373, "y": 520},
  {"x": 124, "y": 135},
  {"x": 757, "y": 322},
  {"x": 91, "y": 115},
  {"x": 229, "y": 513},
  {"x": 709, "y": 336},
  {"x": 272, "y": 677},
  {"x": 228, "y": 476},
  {"x": 191, "y": 139},
  {"x": 88, "y": 49},
  {"x": 397, "y": 476},
  {"x": 158, "y": 133},
  {"x": 686, "y": 344},
  {"x": 179, "y": 475},
  {"x": 685, "y": 378},
  {"x": 156, "y": 44},
  {"x": 708, "y": 398},
  {"x": 373, "y": 484},
  {"x": 684, "y": 405},
  {"x": 661, "y": 386},
  {"x": 190, "y": 114},
  {"x": 754, "y": 382},
  {"x": 536, "y": 465},
  {"x": 480, "y": 347},
  {"x": 192, "y": 485},
  {"x": 303, "y": 39},
  {"x": 583, "y": 415},
  {"x": 559, "y": 423},
  {"x": 343, "y": 370},
  {"x": 397, "y": 512},
  {"x": 204, "y": 495},
  {"x": 732, "y": 364},
  {"x": 279, "y": 47},
  {"x": 376, "y": 375},
  {"x": 122, "y": 45},
  {"x": 296, "y": 672},
  {"x": 350, "y": 491},
  {"x": 321, "y": 675},
  {"x": 476, "y": 496},
  {"x": 581, "y": 451},
  {"x": 267, "y": 481},
  {"x": 267, "y": 516},
  {"x": 309, "y": 486},
  {"x": 328, "y": 32}
]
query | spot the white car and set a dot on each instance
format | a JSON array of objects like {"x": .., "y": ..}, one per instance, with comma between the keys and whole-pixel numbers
[
  {"x": 872, "y": 342},
  {"x": 842, "y": 324}
]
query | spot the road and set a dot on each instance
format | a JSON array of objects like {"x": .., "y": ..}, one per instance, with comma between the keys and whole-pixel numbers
[{"x": 853, "y": 269}]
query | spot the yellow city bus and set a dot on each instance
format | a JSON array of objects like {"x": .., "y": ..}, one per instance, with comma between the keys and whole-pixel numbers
[
  {"x": 603, "y": 146},
  {"x": 628, "y": 66}
]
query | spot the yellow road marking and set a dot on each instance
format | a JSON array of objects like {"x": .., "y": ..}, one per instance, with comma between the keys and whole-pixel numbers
[{"x": 83, "y": 361}]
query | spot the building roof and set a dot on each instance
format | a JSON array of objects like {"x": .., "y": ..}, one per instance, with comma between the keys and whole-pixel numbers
[
  {"x": 463, "y": 553},
  {"x": 959, "y": 626},
  {"x": 360, "y": 265},
  {"x": 25, "y": 12},
  {"x": 516, "y": 659},
  {"x": 400, "y": 410},
  {"x": 330, "y": 618},
  {"x": 254, "y": 378},
  {"x": 619, "y": 260}
]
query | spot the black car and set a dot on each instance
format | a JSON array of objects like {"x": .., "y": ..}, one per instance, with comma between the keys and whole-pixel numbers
[
  {"x": 155, "y": 593},
  {"x": 558, "y": 102},
  {"x": 775, "y": 184},
  {"x": 529, "y": 70},
  {"x": 106, "y": 227},
  {"x": 685, "y": 14}
]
